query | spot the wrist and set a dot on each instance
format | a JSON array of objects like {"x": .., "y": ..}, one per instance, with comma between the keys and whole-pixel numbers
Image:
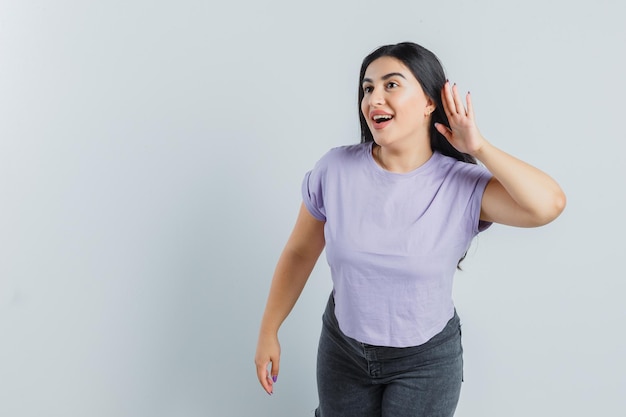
[
  {"x": 480, "y": 151},
  {"x": 268, "y": 331}
]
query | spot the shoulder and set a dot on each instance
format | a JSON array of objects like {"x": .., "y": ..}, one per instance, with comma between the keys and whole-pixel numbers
[
  {"x": 455, "y": 167},
  {"x": 342, "y": 155},
  {"x": 462, "y": 177},
  {"x": 348, "y": 151}
]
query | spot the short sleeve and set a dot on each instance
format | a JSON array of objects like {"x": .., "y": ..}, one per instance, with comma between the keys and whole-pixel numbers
[
  {"x": 312, "y": 194},
  {"x": 482, "y": 178}
]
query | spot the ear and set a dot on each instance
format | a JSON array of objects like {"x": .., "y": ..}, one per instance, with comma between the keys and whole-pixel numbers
[{"x": 430, "y": 107}]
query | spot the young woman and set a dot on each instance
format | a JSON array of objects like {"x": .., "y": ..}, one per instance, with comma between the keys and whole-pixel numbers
[{"x": 396, "y": 213}]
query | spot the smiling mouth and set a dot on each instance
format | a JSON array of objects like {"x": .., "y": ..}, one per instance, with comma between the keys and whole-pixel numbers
[{"x": 381, "y": 118}]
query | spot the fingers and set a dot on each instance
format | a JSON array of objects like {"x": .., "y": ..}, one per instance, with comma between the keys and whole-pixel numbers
[
  {"x": 264, "y": 379},
  {"x": 448, "y": 101},
  {"x": 470, "y": 108},
  {"x": 452, "y": 102},
  {"x": 458, "y": 102},
  {"x": 267, "y": 360},
  {"x": 274, "y": 370},
  {"x": 444, "y": 130},
  {"x": 268, "y": 377}
]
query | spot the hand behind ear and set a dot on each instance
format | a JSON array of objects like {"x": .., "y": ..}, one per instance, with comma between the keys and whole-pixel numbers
[{"x": 463, "y": 133}]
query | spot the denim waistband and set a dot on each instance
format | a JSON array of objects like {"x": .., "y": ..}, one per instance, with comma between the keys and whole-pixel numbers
[{"x": 452, "y": 329}]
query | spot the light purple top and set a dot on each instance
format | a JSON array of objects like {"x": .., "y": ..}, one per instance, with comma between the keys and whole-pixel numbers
[{"x": 393, "y": 240}]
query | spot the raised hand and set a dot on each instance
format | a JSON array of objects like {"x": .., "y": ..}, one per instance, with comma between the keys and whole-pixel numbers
[{"x": 462, "y": 133}]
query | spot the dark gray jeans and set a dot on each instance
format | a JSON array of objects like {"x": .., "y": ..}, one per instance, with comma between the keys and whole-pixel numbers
[{"x": 355, "y": 379}]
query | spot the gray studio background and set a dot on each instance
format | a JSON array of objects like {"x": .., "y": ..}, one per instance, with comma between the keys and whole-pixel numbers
[{"x": 151, "y": 155}]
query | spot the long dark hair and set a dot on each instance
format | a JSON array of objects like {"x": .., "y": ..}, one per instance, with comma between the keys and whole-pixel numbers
[{"x": 428, "y": 71}]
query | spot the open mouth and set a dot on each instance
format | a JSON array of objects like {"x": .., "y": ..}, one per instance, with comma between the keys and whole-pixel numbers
[{"x": 382, "y": 118}]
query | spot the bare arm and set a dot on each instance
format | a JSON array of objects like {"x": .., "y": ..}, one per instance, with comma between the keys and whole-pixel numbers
[
  {"x": 292, "y": 271},
  {"x": 519, "y": 194}
]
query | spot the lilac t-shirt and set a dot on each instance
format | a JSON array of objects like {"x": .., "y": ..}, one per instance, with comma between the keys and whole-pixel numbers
[{"x": 393, "y": 240}]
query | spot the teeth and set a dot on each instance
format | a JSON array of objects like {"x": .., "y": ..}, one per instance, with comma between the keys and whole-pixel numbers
[{"x": 381, "y": 117}]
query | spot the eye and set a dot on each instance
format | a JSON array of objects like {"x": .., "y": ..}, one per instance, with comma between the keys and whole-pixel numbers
[
  {"x": 391, "y": 84},
  {"x": 367, "y": 89}
]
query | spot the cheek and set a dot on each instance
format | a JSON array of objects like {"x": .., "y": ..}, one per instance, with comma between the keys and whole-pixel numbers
[
  {"x": 413, "y": 106},
  {"x": 364, "y": 109}
]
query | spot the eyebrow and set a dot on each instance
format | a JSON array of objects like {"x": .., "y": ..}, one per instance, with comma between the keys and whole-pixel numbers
[{"x": 385, "y": 77}]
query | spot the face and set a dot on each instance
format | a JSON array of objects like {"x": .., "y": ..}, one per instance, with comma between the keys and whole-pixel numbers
[{"x": 394, "y": 104}]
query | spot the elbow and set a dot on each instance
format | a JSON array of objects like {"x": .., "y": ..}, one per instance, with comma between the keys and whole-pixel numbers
[
  {"x": 560, "y": 203},
  {"x": 551, "y": 209}
]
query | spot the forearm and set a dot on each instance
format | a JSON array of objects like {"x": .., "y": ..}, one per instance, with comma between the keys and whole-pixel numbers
[
  {"x": 292, "y": 270},
  {"x": 520, "y": 194},
  {"x": 535, "y": 192},
  {"x": 290, "y": 277}
]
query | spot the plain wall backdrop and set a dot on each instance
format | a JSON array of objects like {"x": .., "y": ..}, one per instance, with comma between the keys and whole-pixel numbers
[{"x": 151, "y": 155}]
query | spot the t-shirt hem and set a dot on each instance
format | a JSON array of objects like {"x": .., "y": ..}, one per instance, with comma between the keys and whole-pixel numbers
[{"x": 401, "y": 343}]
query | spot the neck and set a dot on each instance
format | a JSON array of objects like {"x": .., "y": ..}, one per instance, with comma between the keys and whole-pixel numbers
[{"x": 402, "y": 160}]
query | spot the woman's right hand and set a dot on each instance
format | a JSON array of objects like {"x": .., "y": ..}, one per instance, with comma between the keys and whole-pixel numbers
[
  {"x": 267, "y": 352},
  {"x": 292, "y": 271}
]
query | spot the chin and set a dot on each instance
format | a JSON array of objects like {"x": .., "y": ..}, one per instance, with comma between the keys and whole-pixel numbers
[{"x": 382, "y": 140}]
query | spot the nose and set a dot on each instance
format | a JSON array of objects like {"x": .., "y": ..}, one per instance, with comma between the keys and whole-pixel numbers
[{"x": 376, "y": 98}]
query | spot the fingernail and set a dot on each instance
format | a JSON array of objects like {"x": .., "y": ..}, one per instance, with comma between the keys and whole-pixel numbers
[
  {"x": 269, "y": 393},
  {"x": 274, "y": 378}
]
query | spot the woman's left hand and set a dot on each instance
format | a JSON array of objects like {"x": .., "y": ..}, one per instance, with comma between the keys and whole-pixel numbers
[
  {"x": 463, "y": 133},
  {"x": 518, "y": 194}
]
